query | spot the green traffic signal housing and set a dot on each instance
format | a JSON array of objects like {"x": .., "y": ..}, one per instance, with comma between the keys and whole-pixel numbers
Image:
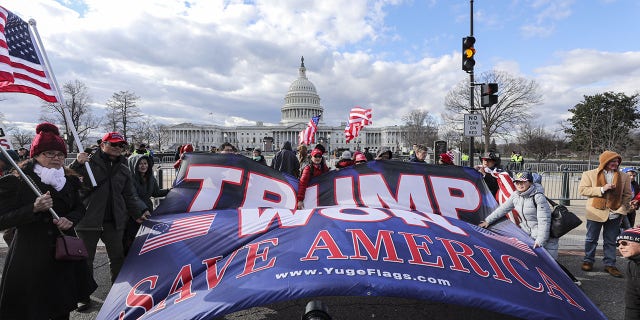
[
  {"x": 488, "y": 94},
  {"x": 468, "y": 51}
]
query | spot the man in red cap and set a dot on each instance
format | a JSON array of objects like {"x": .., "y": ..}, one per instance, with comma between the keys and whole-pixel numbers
[{"x": 109, "y": 204}]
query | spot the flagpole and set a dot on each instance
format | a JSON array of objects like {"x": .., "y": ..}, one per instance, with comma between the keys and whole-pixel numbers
[{"x": 42, "y": 54}]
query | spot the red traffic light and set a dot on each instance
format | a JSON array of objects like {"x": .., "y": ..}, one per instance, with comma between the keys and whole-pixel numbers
[{"x": 489, "y": 94}]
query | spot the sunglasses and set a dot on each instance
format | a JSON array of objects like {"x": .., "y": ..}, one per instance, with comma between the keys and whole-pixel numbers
[
  {"x": 318, "y": 156},
  {"x": 622, "y": 243},
  {"x": 118, "y": 145}
]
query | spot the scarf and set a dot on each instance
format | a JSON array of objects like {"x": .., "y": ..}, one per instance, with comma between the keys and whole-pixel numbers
[
  {"x": 612, "y": 199},
  {"x": 51, "y": 176}
]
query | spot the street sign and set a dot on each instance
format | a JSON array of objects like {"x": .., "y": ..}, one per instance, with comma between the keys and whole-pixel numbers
[{"x": 472, "y": 125}]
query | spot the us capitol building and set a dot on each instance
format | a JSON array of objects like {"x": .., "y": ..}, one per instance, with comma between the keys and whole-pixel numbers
[{"x": 300, "y": 104}]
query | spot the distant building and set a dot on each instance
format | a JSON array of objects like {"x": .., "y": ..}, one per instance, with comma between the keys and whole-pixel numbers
[{"x": 300, "y": 104}]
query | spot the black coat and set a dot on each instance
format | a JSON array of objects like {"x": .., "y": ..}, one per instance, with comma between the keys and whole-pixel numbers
[
  {"x": 286, "y": 161},
  {"x": 114, "y": 199},
  {"x": 632, "y": 294},
  {"x": 34, "y": 284}
]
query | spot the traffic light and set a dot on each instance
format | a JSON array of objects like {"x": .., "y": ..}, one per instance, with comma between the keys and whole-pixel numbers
[
  {"x": 489, "y": 94},
  {"x": 468, "y": 51}
]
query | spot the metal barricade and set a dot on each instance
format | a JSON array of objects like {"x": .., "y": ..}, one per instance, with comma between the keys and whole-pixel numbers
[{"x": 562, "y": 186}]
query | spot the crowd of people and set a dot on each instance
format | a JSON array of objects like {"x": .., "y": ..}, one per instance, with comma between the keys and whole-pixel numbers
[{"x": 113, "y": 209}]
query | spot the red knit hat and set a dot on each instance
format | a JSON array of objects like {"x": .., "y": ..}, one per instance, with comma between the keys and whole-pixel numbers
[
  {"x": 446, "y": 158},
  {"x": 47, "y": 138}
]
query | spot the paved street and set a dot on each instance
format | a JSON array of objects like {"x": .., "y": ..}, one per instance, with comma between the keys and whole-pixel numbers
[{"x": 605, "y": 291}]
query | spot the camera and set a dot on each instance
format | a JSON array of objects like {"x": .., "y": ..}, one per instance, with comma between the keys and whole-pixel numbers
[{"x": 316, "y": 310}]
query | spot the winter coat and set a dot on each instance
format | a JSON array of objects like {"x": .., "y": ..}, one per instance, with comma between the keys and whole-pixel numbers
[
  {"x": 384, "y": 150},
  {"x": 34, "y": 284},
  {"x": 145, "y": 188},
  {"x": 534, "y": 210},
  {"x": 632, "y": 292},
  {"x": 343, "y": 163},
  {"x": 261, "y": 160},
  {"x": 114, "y": 200},
  {"x": 615, "y": 200},
  {"x": 310, "y": 171},
  {"x": 286, "y": 161}
]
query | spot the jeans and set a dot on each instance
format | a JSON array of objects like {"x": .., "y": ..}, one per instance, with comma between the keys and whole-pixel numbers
[{"x": 610, "y": 230}]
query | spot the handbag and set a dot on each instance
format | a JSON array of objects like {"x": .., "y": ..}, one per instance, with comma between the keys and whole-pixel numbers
[
  {"x": 70, "y": 248},
  {"x": 562, "y": 220}
]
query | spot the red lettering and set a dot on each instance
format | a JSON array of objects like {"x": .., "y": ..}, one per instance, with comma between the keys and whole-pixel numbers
[
  {"x": 329, "y": 244},
  {"x": 213, "y": 276},
  {"x": 383, "y": 238},
  {"x": 142, "y": 300},
  {"x": 498, "y": 274},
  {"x": 253, "y": 255},
  {"x": 506, "y": 260},
  {"x": 552, "y": 286},
  {"x": 184, "y": 277},
  {"x": 415, "y": 248},
  {"x": 466, "y": 252}
]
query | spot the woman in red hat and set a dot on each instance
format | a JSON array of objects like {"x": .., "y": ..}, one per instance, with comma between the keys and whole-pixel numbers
[
  {"x": 314, "y": 169},
  {"x": 34, "y": 284}
]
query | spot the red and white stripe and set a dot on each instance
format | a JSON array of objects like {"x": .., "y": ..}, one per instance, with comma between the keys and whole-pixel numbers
[
  {"x": 19, "y": 75},
  {"x": 179, "y": 230}
]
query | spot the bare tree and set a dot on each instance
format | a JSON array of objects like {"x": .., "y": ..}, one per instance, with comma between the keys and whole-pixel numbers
[
  {"x": 538, "y": 142},
  {"x": 420, "y": 127},
  {"x": 160, "y": 136},
  {"x": 77, "y": 102},
  {"x": 21, "y": 137},
  {"x": 123, "y": 112},
  {"x": 516, "y": 95}
]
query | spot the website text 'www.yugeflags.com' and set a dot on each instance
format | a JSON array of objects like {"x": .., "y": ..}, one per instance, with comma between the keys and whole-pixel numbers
[{"x": 361, "y": 272}]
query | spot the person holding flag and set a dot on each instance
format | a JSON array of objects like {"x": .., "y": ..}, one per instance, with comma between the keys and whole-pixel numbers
[{"x": 35, "y": 285}]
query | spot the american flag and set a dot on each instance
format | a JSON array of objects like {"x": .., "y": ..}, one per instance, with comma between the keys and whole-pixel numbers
[
  {"x": 358, "y": 118},
  {"x": 164, "y": 234},
  {"x": 20, "y": 67},
  {"x": 307, "y": 136},
  {"x": 506, "y": 188},
  {"x": 512, "y": 241}
]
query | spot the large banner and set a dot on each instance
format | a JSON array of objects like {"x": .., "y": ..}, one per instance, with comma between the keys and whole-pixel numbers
[{"x": 380, "y": 229}]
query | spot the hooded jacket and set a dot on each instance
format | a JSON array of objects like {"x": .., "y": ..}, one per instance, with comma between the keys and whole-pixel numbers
[
  {"x": 599, "y": 204},
  {"x": 146, "y": 187},
  {"x": 534, "y": 209},
  {"x": 286, "y": 161}
]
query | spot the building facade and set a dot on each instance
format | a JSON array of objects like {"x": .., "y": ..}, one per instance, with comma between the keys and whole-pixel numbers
[{"x": 300, "y": 104}]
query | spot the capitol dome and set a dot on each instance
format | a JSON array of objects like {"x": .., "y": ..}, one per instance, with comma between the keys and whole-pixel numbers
[{"x": 302, "y": 100}]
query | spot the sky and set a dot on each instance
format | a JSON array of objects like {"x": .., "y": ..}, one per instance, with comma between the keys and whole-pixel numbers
[{"x": 231, "y": 62}]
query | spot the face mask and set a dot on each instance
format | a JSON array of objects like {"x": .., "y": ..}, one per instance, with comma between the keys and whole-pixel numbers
[{"x": 256, "y": 158}]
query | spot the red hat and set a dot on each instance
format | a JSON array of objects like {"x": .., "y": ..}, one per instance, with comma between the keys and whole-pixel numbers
[
  {"x": 47, "y": 139},
  {"x": 361, "y": 157},
  {"x": 113, "y": 137},
  {"x": 316, "y": 151},
  {"x": 446, "y": 158}
]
